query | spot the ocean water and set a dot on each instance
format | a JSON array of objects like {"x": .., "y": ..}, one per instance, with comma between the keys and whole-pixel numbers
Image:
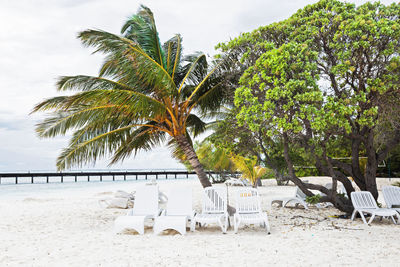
[{"x": 25, "y": 189}]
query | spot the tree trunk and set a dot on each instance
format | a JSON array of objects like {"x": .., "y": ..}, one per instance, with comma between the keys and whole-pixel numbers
[
  {"x": 358, "y": 176},
  {"x": 187, "y": 148},
  {"x": 372, "y": 166},
  {"x": 280, "y": 179}
]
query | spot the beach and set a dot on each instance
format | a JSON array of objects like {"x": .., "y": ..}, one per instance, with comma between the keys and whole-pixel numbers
[{"x": 68, "y": 227}]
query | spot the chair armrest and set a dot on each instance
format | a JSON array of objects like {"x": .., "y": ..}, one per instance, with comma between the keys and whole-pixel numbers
[
  {"x": 161, "y": 212},
  {"x": 193, "y": 214}
]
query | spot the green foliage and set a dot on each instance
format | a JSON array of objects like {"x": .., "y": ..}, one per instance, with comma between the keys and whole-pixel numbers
[
  {"x": 249, "y": 168},
  {"x": 321, "y": 75},
  {"x": 212, "y": 158},
  {"x": 302, "y": 172},
  {"x": 288, "y": 74},
  {"x": 396, "y": 184},
  {"x": 314, "y": 199}
]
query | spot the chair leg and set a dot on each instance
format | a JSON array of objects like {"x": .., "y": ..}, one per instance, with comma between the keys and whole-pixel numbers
[
  {"x": 372, "y": 218},
  {"x": 267, "y": 225},
  {"x": 192, "y": 225},
  {"x": 141, "y": 230},
  {"x": 353, "y": 214},
  {"x": 398, "y": 218},
  {"x": 224, "y": 224},
  {"x": 362, "y": 217},
  {"x": 236, "y": 222},
  {"x": 302, "y": 202},
  {"x": 221, "y": 223},
  {"x": 394, "y": 221}
]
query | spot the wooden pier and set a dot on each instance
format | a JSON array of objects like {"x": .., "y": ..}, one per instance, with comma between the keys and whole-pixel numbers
[{"x": 75, "y": 176}]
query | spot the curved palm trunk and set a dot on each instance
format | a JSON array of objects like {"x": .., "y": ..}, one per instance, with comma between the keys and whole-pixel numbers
[{"x": 187, "y": 148}]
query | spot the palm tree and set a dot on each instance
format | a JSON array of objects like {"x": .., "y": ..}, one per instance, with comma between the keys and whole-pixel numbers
[
  {"x": 145, "y": 94},
  {"x": 248, "y": 168}
]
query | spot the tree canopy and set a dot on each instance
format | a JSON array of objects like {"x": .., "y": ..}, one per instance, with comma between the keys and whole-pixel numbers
[
  {"x": 327, "y": 75},
  {"x": 146, "y": 93}
]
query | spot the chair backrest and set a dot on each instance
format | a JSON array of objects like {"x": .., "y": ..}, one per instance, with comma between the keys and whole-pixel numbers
[
  {"x": 214, "y": 200},
  {"x": 248, "y": 201},
  {"x": 300, "y": 193},
  {"x": 391, "y": 194},
  {"x": 180, "y": 201},
  {"x": 146, "y": 201},
  {"x": 245, "y": 182},
  {"x": 363, "y": 200},
  {"x": 340, "y": 188}
]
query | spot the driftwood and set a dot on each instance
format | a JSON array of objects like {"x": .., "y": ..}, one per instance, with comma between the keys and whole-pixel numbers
[
  {"x": 310, "y": 218},
  {"x": 344, "y": 228}
]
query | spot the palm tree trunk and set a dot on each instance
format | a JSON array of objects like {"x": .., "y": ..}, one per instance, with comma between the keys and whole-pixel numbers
[{"x": 187, "y": 148}]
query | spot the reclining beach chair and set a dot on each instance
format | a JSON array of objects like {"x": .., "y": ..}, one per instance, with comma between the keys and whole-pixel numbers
[
  {"x": 234, "y": 182},
  {"x": 237, "y": 182},
  {"x": 248, "y": 209},
  {"x": 391, "y": 194},
  {"x": 364, "y": 202},
  {"x": 179, "y": 210},
  {"x": 298, "y": 199},
  {"x": 145, "y": 207},
  {"x": 340, "y": 188},
  {"x": 214, "y": 209}
]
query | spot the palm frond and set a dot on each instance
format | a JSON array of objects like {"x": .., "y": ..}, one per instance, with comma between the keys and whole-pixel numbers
[
  {"x": 211, "y": 81},
  {"x": 142, "y": 29},
  {"x": 195, "y": 124},
  {"x": 127, "y": 61},
  {"x": 79, "y": 154},
  {"x": 144, "y": 138},
  {"x": 87, "y": 83},
  {"x": 173, "y": 54},
  {"x": 130, "y": 103},
  {"x": 61, "y": 122},
  {"x": 194, "y": 70}
]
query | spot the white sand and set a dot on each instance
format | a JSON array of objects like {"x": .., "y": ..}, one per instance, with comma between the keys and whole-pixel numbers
[{"x": 68, "y": 228}]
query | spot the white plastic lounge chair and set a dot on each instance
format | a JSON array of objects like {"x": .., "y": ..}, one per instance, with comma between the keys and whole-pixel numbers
[
  {"x": 298, "y": 198},
  {"x": 234, "y": 182},
  {"x": 248, "y": 209},
  {"x": 115, "y": 203},
  {"x": 340, "y": 189},
  {"x": 391, "y": 194},
  {"x": 364, "y": 202},
  {"x": 179, "y": 211},
  {"x": 237, "y": 182},
  {"x": 214, "y": 209},
  {"x": 245, "y": 181},
  {"x": 145, "y": 207}
]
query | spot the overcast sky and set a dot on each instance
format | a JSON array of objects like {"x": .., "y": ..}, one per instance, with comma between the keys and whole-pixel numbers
[{"x": 38, "y": 43}]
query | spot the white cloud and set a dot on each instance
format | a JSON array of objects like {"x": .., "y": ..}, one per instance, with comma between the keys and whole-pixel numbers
[{"x": 38, "y": 43}]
